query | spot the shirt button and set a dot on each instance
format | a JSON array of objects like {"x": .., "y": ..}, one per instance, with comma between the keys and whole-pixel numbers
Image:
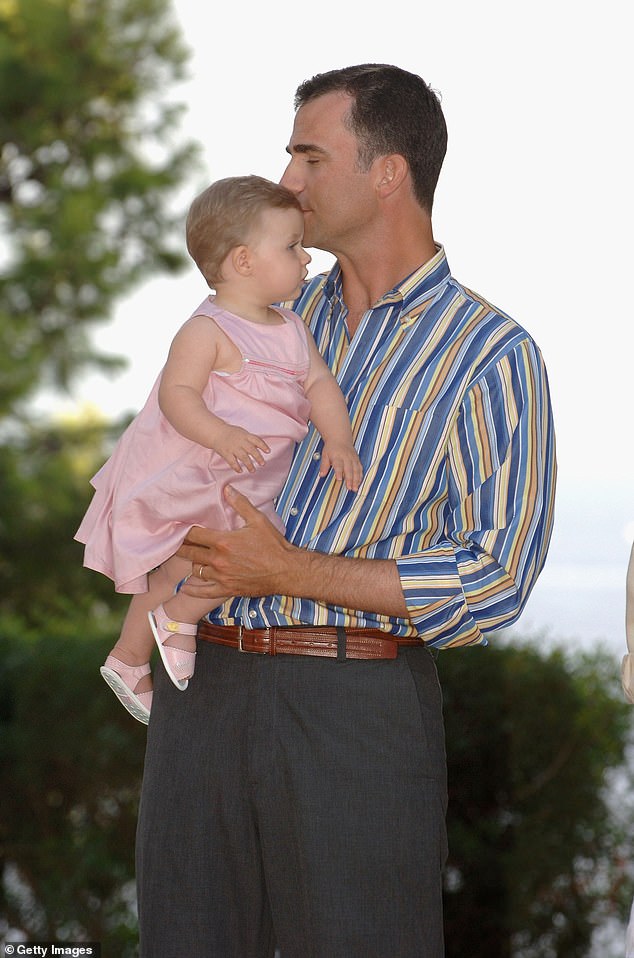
[
  {"x": 294, "y": 511},
  {"x": 316, "y": 456},
  {"x": 252, "y": 614}
]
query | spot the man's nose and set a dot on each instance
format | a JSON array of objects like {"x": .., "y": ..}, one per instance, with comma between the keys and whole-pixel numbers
[{"x": 290, "y": 179}]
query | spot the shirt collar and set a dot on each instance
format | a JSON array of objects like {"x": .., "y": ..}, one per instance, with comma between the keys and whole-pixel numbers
[{"x": 415, "y": 290}]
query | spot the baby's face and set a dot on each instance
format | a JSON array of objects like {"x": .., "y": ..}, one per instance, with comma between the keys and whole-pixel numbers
[{"x": 279, "y": 260}]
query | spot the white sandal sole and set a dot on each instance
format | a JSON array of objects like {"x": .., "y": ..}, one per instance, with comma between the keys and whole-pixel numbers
[{"x": 128, "y": 699}]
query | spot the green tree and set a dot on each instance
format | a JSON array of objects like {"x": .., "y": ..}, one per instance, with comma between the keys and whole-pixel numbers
[
  {"x": 70, "y": 768},
  {"x": 536, "y": 858},
  {"x": 89, "y": 164},
  {"x": 44, "y": 491},
  {"x": 70, "y": 756}
]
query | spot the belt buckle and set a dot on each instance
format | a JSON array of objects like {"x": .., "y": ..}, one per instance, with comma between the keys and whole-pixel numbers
[{"x": 241, "y": 648}]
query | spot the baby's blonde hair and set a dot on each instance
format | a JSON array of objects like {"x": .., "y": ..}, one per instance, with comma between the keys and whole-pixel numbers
[{"x": 221, "y": 217}]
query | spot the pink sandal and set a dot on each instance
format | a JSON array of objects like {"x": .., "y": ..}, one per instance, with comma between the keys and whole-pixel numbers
[
  {"x": 179, "y": 663},
  {"x": 124, "y": 680}
]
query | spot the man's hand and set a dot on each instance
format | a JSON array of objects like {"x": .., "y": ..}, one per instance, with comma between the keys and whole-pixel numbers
[{"x": 255, "y": 560}]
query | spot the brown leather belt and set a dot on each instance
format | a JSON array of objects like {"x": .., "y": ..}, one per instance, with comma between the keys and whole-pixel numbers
[{"x": 306, "y": 640}]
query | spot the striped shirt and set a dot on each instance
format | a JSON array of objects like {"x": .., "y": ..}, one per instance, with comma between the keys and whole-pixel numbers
[{"x": 450, "y": 409}]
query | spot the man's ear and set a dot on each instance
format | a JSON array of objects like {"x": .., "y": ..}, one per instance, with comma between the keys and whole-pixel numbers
[
  {"x": 392, "y": 171},
  {"x": 241, "y": 260}
]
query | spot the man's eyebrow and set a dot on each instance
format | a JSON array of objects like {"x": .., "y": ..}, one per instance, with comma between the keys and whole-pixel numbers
[{"x": 305, "y": 148}]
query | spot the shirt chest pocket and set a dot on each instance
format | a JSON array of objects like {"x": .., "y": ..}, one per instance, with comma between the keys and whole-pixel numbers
[{"x": 395, "y": 439}]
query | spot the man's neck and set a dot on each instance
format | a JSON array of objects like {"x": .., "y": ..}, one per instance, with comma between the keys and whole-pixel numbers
[{"x": 369, "y": 276}]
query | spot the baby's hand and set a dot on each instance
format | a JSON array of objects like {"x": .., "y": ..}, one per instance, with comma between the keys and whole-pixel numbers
[
  {"x": 240, "y": 448},
  {"x": 342, "y": 458}
]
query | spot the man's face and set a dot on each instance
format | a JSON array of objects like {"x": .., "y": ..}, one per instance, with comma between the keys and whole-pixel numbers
[{"x": 337, "y": 198}]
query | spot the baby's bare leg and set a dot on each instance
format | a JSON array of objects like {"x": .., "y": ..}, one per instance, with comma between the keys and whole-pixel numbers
[
  {"x": 186, "y": 608},
  {"x": 136, "y": 642}
]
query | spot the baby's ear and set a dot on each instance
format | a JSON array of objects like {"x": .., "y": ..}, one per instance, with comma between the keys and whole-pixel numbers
[{"x": 241, "y": 260}]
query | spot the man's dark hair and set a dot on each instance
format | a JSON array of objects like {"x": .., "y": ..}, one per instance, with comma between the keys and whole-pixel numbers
[{"x": 393, "y": 112}]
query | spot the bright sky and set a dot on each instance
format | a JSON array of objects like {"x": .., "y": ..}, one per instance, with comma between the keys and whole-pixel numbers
[{"x": 534, "y": 206}]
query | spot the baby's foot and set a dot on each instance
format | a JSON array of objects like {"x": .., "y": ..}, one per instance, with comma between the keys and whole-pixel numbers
[
  {"x": 178, "y": 654},
  {"x": 131, "y": 684}
]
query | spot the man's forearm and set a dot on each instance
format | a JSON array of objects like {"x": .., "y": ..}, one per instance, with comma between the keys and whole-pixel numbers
[
  {"x": 367, "y": 585},
  {"x": 256, "y": 560}
]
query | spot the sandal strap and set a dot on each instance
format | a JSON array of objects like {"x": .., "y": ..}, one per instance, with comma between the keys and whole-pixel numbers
[
  {"x": 168, "y": 624},
  {"x": 145, "y": 698},
  {"x": 134, "y": 671}
]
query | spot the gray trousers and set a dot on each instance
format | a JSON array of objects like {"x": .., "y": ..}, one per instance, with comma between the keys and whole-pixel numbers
[{"x": 294, "y": 801}]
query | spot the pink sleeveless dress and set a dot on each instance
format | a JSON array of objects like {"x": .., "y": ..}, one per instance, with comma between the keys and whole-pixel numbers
[{"x": 157, "y": 484}]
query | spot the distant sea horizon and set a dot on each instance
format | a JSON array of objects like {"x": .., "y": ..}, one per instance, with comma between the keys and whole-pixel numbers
[
  {"x": 579, "y": 597},
  {"x": 577, "y": 604}
]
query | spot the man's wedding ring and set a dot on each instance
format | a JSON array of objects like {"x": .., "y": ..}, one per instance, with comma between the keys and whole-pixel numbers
[{"x": 200, "y": 572}]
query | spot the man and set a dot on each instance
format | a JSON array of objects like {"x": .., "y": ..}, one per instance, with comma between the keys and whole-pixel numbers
[{"x": 298, "y": 795}]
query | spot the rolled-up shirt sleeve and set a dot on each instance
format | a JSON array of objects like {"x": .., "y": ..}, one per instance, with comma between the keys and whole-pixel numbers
[{"x": 501, "y": 469}]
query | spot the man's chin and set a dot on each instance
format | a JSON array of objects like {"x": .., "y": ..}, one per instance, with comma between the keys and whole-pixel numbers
[
  {"x": 314, "y": 242},
  {"x": 310, "y": 239}
]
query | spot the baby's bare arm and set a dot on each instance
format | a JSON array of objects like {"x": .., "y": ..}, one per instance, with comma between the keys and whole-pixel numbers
[
  {"x": 329, "y": 413},
  {"x": 198, "y": 348}
]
